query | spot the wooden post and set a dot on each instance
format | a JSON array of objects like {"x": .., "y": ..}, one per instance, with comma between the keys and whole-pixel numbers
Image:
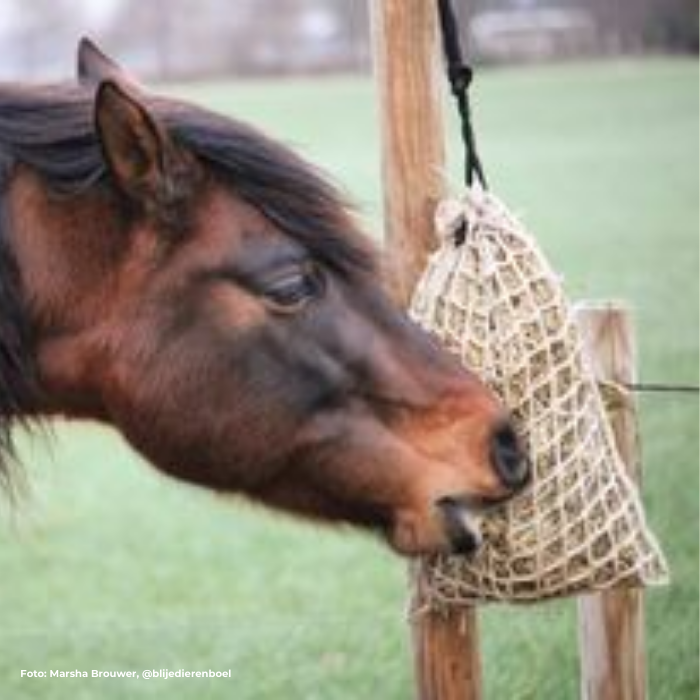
[
  {"x": 410, "y": 84},
  {"x": 611, "y": 624},
  {"x": 446, "y": 649}
]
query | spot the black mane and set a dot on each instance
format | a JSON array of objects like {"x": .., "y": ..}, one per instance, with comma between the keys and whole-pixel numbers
[{"x": 51, "y": 131}]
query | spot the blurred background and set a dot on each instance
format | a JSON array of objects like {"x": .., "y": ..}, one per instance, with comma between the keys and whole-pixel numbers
[
  {"x": 587, "y": 117},
  {"x": 163, "y": 38}
]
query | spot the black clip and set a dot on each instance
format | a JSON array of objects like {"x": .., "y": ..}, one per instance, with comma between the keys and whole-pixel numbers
[{"x": 460, "y": 77}]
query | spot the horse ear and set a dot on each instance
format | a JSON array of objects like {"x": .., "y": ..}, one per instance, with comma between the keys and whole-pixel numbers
[
  {"x": 147, "y": 165},
  {"x": 94, "y": 66}
]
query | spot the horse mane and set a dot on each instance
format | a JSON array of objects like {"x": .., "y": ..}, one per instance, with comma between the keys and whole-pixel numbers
[
  {"x": 51, "y": 131},
  {"x": 19, "y": 392}
]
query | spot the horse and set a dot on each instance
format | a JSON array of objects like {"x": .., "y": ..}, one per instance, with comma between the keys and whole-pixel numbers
[{"x": 201, "y": 288}]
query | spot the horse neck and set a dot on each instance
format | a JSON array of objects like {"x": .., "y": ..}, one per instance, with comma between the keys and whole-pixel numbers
[
  {"x": 19, "y": 385},
  {"x": 65, "y": 247},
  {"x": 64, "y": 251}
]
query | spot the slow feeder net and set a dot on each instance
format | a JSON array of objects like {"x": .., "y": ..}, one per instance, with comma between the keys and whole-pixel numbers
[{"x": 490, "y": 297}]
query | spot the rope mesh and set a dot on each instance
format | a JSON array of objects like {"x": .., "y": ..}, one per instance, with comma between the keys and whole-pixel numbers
[{"x": 495, "y": 302}]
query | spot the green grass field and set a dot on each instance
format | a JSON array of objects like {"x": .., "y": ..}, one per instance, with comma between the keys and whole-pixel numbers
[{"x": 109, "y": 566}]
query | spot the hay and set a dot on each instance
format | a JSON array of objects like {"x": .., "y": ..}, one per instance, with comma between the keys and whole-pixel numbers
[{"x": 494, "y": 301}]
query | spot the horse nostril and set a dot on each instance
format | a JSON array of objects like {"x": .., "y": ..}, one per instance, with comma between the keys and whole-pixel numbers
[{"x": 508, "y": 458}]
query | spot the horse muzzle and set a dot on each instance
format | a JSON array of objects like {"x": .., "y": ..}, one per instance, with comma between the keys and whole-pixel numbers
[{"x": 462, "y": 524}]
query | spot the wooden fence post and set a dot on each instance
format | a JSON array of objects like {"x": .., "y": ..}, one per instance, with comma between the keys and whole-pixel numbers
[
  {"x": 611, "y": 624},
  {"x": 410, "y": 83}
]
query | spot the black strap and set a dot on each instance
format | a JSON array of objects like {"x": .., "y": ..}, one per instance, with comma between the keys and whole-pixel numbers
[{"x": 460, "y": 76}]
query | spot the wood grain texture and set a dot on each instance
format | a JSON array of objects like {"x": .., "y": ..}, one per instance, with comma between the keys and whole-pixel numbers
[
  {"x": 611, "y": 624},
  {"x": 410, "y": 86},
  {"x": 448, "y": 665}
]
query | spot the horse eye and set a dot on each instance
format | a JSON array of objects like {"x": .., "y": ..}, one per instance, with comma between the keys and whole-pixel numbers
[{"x": 294, "y": 288}]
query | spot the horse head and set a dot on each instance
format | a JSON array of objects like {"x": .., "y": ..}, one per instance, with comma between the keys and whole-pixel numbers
[{"x": 206, "y": 291}]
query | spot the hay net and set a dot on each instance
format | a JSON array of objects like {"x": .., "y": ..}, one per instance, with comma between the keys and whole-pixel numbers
[{"x": 490, "y": 297}]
